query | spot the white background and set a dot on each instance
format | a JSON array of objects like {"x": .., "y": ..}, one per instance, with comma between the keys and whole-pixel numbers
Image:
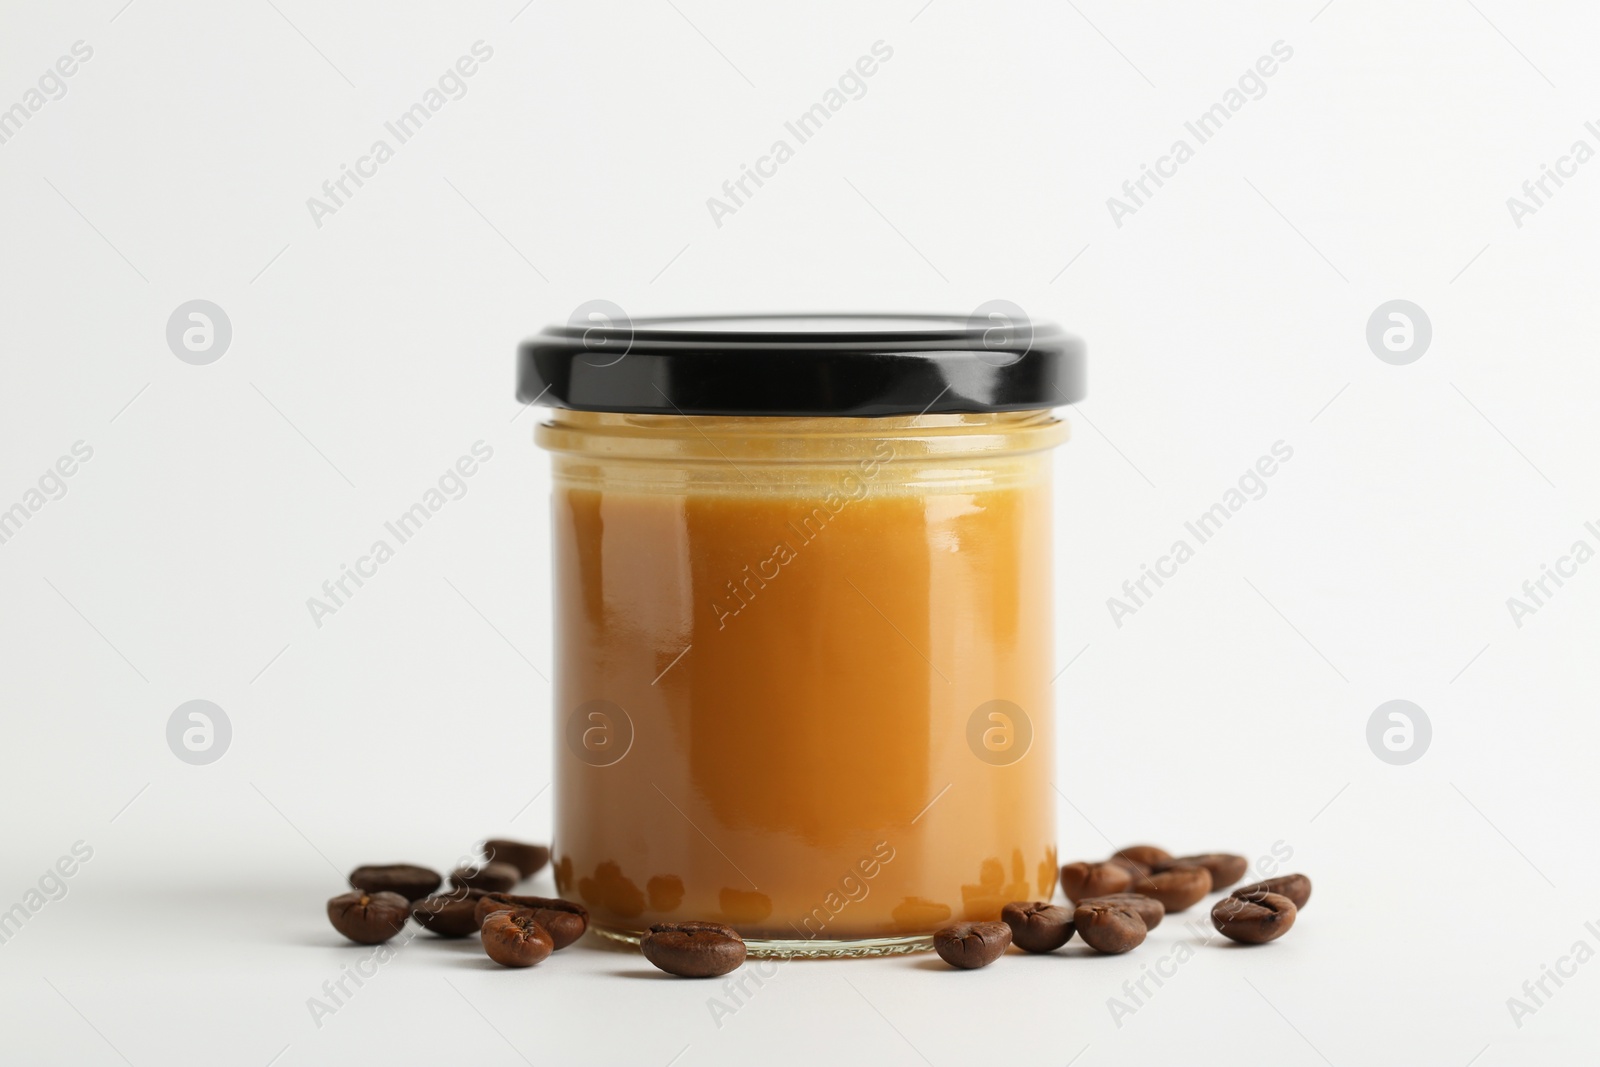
[{"x": 369, "y": 353}]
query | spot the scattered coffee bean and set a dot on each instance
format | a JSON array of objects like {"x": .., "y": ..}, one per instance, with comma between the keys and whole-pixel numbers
[
  {"x": 972, "y": 945},
  {"x": 489, "y": 903},
  {"x": 1109, "y": 928},
  {"x": 407, "y": 879},
  {"x": 515, "y": 939},
  {"x": 368, "y": 918},
  {"x": 492, "y": 877},
  {"x": 1147, "y": 856},
  {"x": 1149, "y": 908},
  {"x": 1081, "y": 880},
  {"x": 1297, "y": 887},
  {"x": 1225, "y": 867},
  {"x": 693, "y": 949},
  {"x": 1255, "y": 918},
  {"x": 452, "y": 914},
  {"x": 1037, "y": 926},
  {"x": 527, "y": 859},
  {"x": 1178, "y": 886},
  {"x": 564, "y": 920}
]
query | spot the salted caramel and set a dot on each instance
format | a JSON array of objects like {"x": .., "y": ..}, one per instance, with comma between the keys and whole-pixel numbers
[{"x": 823, "y": 670}]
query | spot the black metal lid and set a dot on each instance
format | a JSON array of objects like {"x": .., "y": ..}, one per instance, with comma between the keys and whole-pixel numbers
[{"x": 796, "y": 365}]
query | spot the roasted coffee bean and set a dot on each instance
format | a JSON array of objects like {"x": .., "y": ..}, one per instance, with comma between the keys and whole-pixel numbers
[
  {"x": 1255, "y": 918},
  {"x": 1109, "y": 928},
  {"x": 1081, "y": 880},
  {"x": 491, "y": 877},
  {"x": 407, "y": 879},
  {"x": 693, "y": 949},
  {"x": 1225, "y": 867},
  {"x": 452, "y": 914},
  {"x": 368, "y": 918},
  {"x": 1144, "y": 855},
  {"x": 972, "y": 945},
  {"x": 1037, "y": 926},
  {"x": 564, "y": 920},
  {"x": 1297, "y": 887},
  {"x": 1147, "y": 856},
  {"x": 489, "y": 903},
  {"x": 1149, "y": 908},
  {"x": 515, "y": 939},
  {"x": 527, "y": 859},
  {"x": 1177, "y": 887}
]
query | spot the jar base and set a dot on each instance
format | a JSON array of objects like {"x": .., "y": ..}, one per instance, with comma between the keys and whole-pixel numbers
[{"x": 795, "y": 949}]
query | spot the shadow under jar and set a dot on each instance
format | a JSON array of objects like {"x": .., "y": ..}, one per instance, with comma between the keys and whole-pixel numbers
[{"x": 803, "y": 623}]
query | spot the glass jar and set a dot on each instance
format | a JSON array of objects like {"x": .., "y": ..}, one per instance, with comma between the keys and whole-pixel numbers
[{"x": 803, "y": 653}]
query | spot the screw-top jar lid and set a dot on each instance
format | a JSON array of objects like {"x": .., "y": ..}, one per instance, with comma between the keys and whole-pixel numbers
[{"x": 803, "y": 365}]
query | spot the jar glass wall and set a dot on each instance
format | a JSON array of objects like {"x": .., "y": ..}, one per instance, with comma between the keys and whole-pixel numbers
[{"x": 803, "y": 672}]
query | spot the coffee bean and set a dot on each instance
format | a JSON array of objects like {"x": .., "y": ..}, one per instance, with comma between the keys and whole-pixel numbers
[
  {"x": 492, "y": 877},
  {"x": 1297, "y": 887},
  {"x": 489, "y": 903},
  {"x": 1080, "y": 880},
  {"x": 1225, "y": 867},
  {"x": 1149, "y": 908},
  {"x": 1177, "y": 887},
  {"x": 1255, "y": 918},
  {"x": 1147, "y": 856},
  {"x": 693, "y": 949},
  {"x": 972, "y": 945},
  {"x": 564, "y": 920},
  {"x": 452, "y": 914},
  {"x": 407, "y": 879},
  {"x": 368, "y": 918},
  {"x": 1037, "y": 926},
  {"x": 1109, "y": 928},
  {"x": 515, "y": 939},
  {"x": 527, "y": 859}
]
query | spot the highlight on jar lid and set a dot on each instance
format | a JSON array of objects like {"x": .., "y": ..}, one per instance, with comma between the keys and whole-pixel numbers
[{"x": 995, "y": 359}]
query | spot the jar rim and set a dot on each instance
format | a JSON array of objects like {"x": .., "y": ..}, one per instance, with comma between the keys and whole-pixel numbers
[{"x": 757, "y": 441}]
